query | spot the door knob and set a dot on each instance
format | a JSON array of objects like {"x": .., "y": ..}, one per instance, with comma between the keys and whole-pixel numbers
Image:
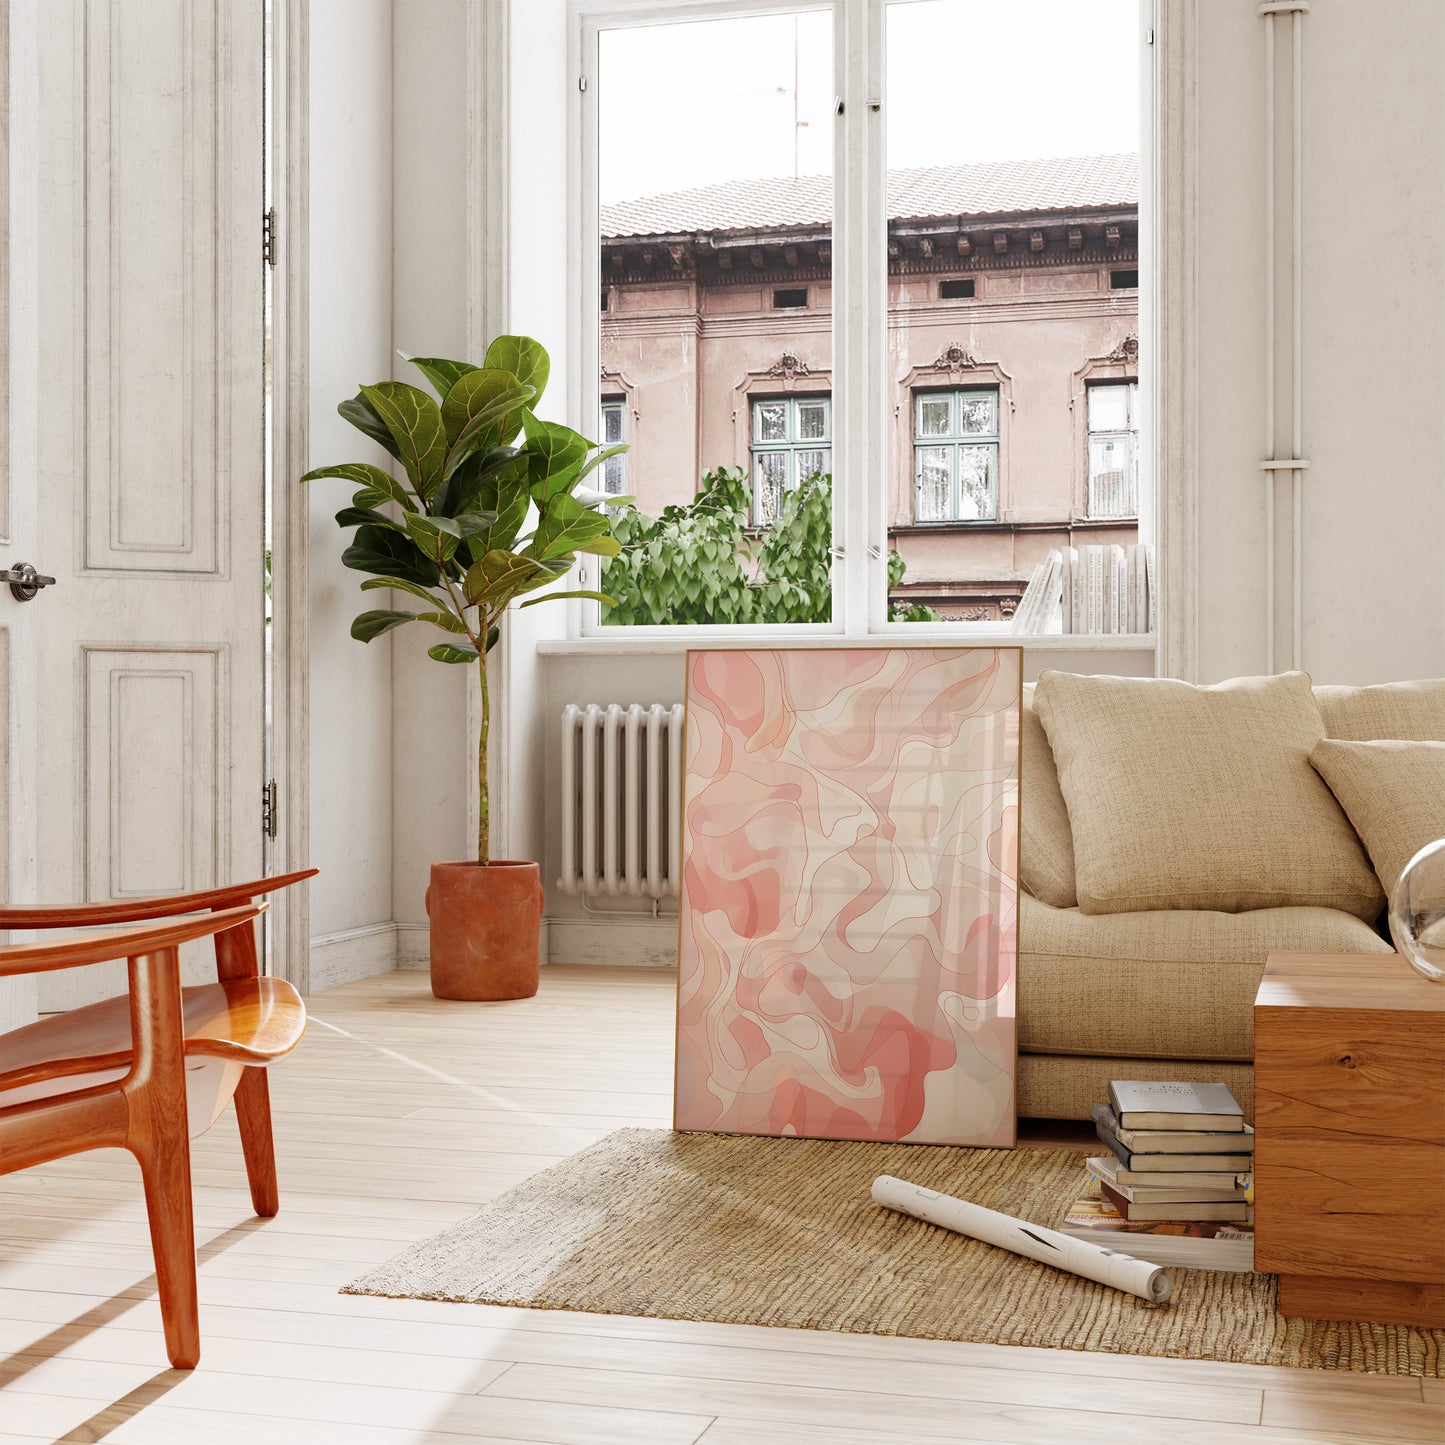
[{"x": 24, "y": 581}]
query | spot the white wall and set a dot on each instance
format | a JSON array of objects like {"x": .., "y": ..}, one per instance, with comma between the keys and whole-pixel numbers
[
  {"x": 430, "y": 773},
  {"x": 1373, "y": 320},
  {"x": 1374, "y": 367},
  {"x": 351, "y": 338}
]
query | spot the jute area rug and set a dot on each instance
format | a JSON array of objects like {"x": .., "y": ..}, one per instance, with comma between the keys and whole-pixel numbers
[{"x": 782, "y": 1232}]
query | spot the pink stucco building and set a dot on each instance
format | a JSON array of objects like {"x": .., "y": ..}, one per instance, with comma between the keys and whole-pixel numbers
[{"x": 1013, "y": 354}]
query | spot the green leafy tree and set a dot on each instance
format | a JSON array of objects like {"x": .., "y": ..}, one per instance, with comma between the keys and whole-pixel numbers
[
  {"x": 704, "y": 563},
  {"x": 478, "y": 468}
]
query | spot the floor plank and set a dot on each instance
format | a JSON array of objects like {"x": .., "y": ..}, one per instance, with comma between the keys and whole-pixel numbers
[{"x": 398, "y": 1115}]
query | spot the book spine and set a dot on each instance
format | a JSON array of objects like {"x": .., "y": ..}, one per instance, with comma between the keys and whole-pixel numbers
[{"x": 1069, "y": 559}]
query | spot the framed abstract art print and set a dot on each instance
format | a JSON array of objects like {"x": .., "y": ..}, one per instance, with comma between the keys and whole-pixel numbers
[{"x": 847, "y": 939}]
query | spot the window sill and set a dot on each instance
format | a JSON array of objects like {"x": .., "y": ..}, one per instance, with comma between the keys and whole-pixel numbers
[{"x": 661, "y": 644}]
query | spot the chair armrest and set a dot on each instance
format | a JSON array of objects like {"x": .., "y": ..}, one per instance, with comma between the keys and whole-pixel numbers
[
  {"x": 138, "y": 910},
  {"x": 99, "y": 948}
]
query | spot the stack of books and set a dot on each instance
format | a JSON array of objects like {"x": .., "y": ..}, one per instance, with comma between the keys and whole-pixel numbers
[
  {"x": 1177, "y": 1177},
  {"x": 1090, "y": 590}
]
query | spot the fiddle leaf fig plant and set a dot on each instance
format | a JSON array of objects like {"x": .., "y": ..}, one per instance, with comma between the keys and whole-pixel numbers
[{"x": 491, "y": 509}]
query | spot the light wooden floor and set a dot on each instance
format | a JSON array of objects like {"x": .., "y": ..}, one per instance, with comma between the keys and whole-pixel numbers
[{"x": 400, "y": 1113}]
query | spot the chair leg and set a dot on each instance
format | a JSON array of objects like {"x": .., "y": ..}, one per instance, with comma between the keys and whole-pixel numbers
[
  {"x": 167, "y": 1178},
  {"x": 253, "y": 1113},
  {"x": 158, "y": 1136}
]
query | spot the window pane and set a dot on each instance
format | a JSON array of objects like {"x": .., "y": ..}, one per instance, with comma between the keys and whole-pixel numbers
[
  {"x": 770, "y": 481},
  {"x": 935, "y": 416},
  {"x": 709, "y": 130},
  {"x": 1108, "y": 408},
  {"x": 978, "y": 414},
  {"x": 770, "y": 421},
  {"x": 614, "y": 476},
  {"x": 810, "y": 464},
  {"x": 1033, "y": 196},
  {"x": 976, "y": 477},
  {"x": 1112, "y": 487},
  {"x": 812, "y": 420},
  {"x": 935, "y": 484},
  {"x": 611, "y": 424}
]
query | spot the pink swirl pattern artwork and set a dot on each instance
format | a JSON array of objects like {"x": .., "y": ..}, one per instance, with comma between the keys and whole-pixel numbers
[{"x": 848, "y": 937}]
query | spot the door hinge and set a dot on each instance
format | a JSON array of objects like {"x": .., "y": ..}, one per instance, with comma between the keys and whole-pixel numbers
[
  {"x": 1149, "y": 37},
  {"x": 582, "y": 83},
  {"x": 270, "y": 810},
  {"x": 268, "y": 237}
]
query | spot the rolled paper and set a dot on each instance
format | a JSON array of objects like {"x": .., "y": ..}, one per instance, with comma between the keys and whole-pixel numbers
[{"x": 1033, "y": 1241}]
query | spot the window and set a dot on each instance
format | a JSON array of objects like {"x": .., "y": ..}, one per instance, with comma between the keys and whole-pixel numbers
[
  {"x": 614, "y": 469},
  {"x": 772, "y": 325},
  {"x": 955, "y": 455},
  {"x": 791, "y": 442},
  {"x": 1113, "y": 449}
]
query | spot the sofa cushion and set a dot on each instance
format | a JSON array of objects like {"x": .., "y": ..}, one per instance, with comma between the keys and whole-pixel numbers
[
  {"x": 1200, "y": 797},
  {"x": 1046, "y": 846},
  {"x": 1173, "y": 984},
  {"x": 1394, "y": 793},
  {"x": 1413, "y": 710}
]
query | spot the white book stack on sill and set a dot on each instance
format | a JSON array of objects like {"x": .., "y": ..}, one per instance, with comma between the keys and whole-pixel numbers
[{"x": 1100, "y": 591}]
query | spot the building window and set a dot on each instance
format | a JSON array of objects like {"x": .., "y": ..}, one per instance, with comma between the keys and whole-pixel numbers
[
  {"x": 792, "y": 441},
  {"x": 1113, "y": 449},
  {"x": 959, "y": 289},
  {"x": 955, "y": 455},
  {"x": 614, "y": 469},
  {"x": 790, "y": 298}
]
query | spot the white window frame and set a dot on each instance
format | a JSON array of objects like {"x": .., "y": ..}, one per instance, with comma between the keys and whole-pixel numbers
[{"x": 860, "y": 416}]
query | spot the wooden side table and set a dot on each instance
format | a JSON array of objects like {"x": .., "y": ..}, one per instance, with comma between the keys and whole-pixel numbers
[{"x": 1349, "y": 1172}]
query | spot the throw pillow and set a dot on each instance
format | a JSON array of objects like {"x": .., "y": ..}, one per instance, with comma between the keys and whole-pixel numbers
[
  {"x": 1046, "y": 846},
  {"x": 1390, "y": 710},
  {"x": 1200, "y": 797},
  {"x": 1394, "y": 793}
]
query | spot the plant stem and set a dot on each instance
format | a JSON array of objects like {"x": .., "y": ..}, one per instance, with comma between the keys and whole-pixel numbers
[{"x": 484, "y": 840}]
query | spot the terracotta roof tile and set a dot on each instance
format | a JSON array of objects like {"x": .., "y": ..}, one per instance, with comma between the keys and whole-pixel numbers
[{"x": 1063, "y": 183}]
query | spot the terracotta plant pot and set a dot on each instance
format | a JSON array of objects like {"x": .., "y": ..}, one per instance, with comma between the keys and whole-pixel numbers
[{"x": 486, "y": 929}]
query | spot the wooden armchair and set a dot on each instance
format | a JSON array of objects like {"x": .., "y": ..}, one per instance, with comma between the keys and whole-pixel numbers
[{"x": 150, "y": 1070}]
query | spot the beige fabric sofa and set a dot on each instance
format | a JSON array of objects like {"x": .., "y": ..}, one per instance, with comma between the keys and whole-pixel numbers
[{"x": 1164, "y": 994}]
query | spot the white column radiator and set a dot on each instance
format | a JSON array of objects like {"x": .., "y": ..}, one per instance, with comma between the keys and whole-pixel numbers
[{"x": 621, "y": 800}]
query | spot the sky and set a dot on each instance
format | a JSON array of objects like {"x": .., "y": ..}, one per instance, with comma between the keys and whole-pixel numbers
[{"x": 692, "y": 104}]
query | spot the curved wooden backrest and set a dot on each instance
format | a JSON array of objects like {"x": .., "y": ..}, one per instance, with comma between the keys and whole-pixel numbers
[
  {"x": 138, "y": 910},
  {"x": 135, "y": 943}
]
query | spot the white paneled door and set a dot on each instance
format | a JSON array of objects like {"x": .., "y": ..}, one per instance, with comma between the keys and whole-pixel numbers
[{"x": 149, "y": 507}]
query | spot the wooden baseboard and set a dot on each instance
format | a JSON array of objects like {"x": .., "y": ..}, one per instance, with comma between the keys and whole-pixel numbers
[{"x": 1368, "y": 1301}]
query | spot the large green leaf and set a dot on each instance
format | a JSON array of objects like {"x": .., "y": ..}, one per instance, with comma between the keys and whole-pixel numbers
[
  {"x": 400, "y": 584},
  {"x": 448, "y": 621},
  {"x": 442, "y": 374},
  {"x": 526, "y": 359},
  {"x": 415, "y": 423},
  {"x": 500, "y": 576},
  {"x": 391, "y": 554},
  {"x": 555, "y": 455},
  {"x": 578, "y": 592},
  {"x": 566, "y": 526},
  {"x": 487, "y": 428},
  {"x": 372, "y": 624},
  {"x": 453, "y": 652},
  {"x": 483, "y": 480},
  {"x": 480, "y": 390},
  {"x": 434, "y": 536},
  {"x": 364, "y": 517},
  {"x": 370, "y": 477},
  {"x": 358, "y": 411}
]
